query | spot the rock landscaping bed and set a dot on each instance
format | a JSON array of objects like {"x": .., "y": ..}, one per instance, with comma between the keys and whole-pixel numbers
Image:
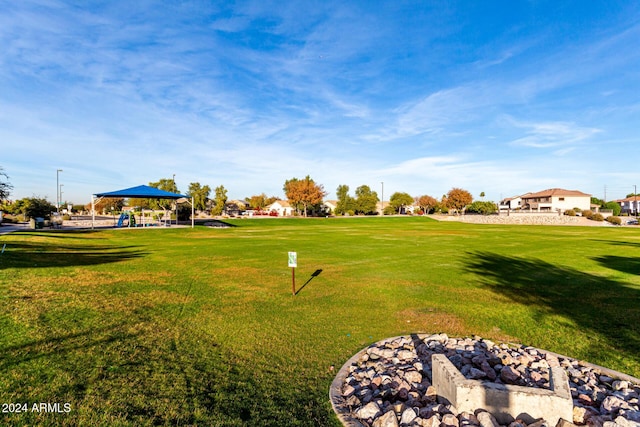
[{"x": 390, "y": 384}]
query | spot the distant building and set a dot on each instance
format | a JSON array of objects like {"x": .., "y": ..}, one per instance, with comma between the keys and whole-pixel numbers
[
  {"x": 281, "y": 207},
  {"x": 556, "y": 200},
  {"x": 629, "y": 205}
]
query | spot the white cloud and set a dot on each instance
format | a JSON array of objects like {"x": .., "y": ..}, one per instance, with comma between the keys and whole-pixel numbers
[{"x": 564, "y": 135}]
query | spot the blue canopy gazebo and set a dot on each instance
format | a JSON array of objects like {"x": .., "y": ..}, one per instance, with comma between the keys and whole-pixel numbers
[{"x": 141, "y": 192}]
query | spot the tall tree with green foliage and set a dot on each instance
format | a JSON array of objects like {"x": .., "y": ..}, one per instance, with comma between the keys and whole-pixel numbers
[
  {"x": 398, "y": 201},
  {"x": 5, "y": 187},
  {"x": 220, "y": 200},
  {"x": 366, "y": 201},
  {"x": 165, "y": 184},
  {"x": 200, "y": 195},
  {"x": 345, "y": 201}
]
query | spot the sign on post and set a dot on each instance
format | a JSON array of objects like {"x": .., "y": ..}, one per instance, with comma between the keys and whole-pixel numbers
[
  {"x": 293, "y": 259},
  {"x": 293, "y": 263}
]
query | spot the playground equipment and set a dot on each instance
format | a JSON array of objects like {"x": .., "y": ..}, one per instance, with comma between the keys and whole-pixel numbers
[{"x": 129, "y": 217}]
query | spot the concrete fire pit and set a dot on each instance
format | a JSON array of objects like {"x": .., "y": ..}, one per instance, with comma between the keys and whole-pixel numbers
[{"x": 438, "y": 381}]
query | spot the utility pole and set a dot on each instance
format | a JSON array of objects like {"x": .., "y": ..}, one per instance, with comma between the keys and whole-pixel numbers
[
  {"x": 58, "y": 190},
  {"x": 382, "y": 201}
]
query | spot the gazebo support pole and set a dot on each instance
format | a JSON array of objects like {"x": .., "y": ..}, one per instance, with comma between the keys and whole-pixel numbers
[{"x": 93, "y": 211}]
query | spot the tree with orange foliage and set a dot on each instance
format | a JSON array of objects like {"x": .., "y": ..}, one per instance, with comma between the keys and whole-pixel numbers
[
  {"x": 457, "y": 199},
  {"x": 303, "y": 192},
  {"x": 427, "y": 203}
]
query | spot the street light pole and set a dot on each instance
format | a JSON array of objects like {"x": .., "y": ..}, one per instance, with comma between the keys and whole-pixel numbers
[
  {"x": 58, "y": 190},
  {"x": 382, "y": 201},
  {"x": 61, "y": 185},
  {"x": 635, "y": 200}
]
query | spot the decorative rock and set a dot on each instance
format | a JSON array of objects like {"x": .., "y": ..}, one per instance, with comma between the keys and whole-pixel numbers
[
  {"x": 476, "y": 374},
  {"x": 487, "y": 420},
  {"x": 389, "y": 419},
  {"x": 408, "y": 416},
  {"x": 612, "y": 404},
  {"x": 433, "y": 421},
  {"x": 450, "y": 420},
  {"x": 369, "y": 411},
  {"x": 539, "y": 423},
  {"x": 413, "y": 377},
  {"x": 468, "y": 419},
  {"x": 564, "y": 423},
  {"x": 624, "y": 422},
  {"x": 509, "y": 375},
  {"x": 389, "y": 384}
]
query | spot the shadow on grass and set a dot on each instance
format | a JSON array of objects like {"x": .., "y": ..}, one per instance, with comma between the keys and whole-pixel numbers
[
  {"x": 313, "y": 276},
  {"x": 12, "y": 356},
  {"x": 41, "y": 255},
  {"x": 606, "y": 307},
  {"x": 629, "y": 265}
]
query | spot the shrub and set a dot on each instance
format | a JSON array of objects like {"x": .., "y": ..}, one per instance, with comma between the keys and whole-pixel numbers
[
  {"x": 597, "y": 217},
  {"x": 570, "y": 212},
  {"x": 614, "y": 206},
  {"x": 587, "y": 214},
  {"x": 577, "y": 210},
  {"x": 614, "y": 220},
  {"x": 483, "y": 208}
]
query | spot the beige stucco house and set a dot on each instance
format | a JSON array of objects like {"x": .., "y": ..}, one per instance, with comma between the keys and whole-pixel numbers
[
  {"x": 282, "y": 207},
  {"x": 556, "y": 200}
]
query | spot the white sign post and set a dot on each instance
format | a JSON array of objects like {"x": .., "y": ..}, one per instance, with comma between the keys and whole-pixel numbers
[{"x": 293, "y": 263}]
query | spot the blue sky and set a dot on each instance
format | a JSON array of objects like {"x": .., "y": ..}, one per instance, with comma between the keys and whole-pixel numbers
[{"x": 501, "y": 97}]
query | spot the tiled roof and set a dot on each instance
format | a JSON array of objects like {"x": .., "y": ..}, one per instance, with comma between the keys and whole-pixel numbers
[{"x": 555, "y": 192}]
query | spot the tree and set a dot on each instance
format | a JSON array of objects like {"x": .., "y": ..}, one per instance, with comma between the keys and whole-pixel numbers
[
  {"x": 427, "y": 203},
  {"x": 34, "y": 207},
  {"x": 304, "y": 192},
  {"x": 5, "y": 187},
  {"x": 106, "y": 203},
  {"x": 399, "y": 200},
  {"x": 482, "y": 195},
  {"x": 200, "y": 195},
  {"x": 220, "y": 200},
  {"x": 457, "y": 199},
  {"x": 164, "y": 184},
  {"x": 366, "y": 202},
  {"x": 614, "y": 206},
  {"x": 261, "y": 201},
  {"x": 483, "y": 208},
  {"x": 345, "y": 201}
]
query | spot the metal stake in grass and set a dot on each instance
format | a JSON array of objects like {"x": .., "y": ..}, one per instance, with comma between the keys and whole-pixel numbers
[{"x": 293, "y": 263}]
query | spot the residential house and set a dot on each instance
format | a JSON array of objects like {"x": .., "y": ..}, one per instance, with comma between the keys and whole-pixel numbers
[
  {"x": 511, "y": 203},
  {"x": 235, "y": 207},
  {"x": 629, "y": 205},
  {"x": 281, "y": 207},
  {"x": 329, "y": 206},
  {"x": 556, "y": 200}
]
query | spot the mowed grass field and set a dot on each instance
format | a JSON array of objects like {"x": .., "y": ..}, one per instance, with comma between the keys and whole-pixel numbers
[{"x": 199, "y": 326}]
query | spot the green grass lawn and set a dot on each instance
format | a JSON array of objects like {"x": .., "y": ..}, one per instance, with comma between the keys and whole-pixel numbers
[{"x": 199, "y": 327}]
